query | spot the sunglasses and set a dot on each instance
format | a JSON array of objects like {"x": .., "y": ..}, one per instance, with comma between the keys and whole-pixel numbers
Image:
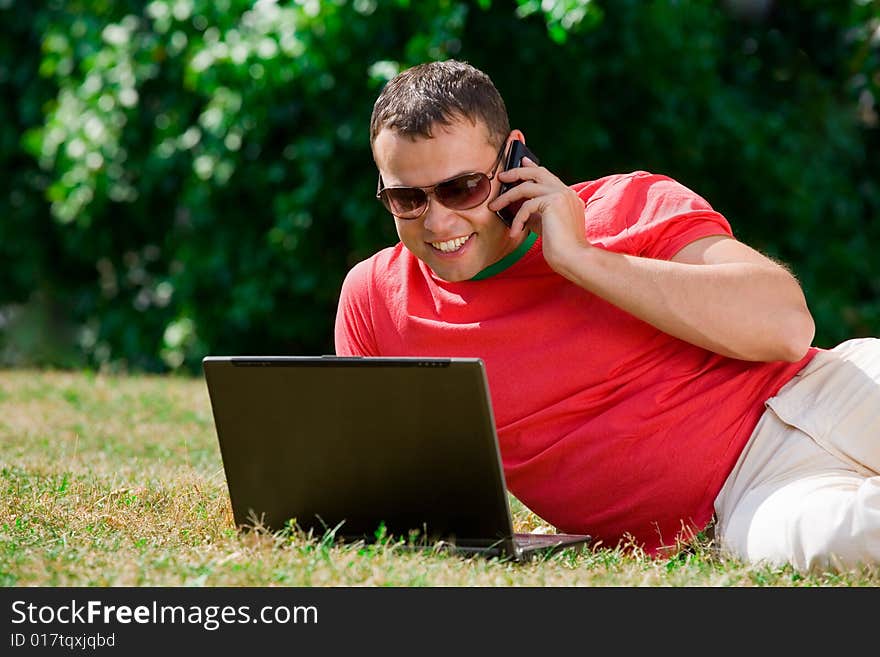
[{"x": 459, "y": 193}]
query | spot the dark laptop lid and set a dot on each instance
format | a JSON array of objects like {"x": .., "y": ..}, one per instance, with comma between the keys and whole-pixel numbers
[{"x": 408, "y": 443}]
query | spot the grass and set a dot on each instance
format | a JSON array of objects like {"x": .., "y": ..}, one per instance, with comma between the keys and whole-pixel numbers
[{"x": 113, "y": 480}]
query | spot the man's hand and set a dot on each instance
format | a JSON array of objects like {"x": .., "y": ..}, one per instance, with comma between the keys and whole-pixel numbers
[{"x": 551, "y": 209}]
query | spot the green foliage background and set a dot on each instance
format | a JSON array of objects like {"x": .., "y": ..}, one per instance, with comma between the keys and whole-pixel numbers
[{"x": 183, "y": 177}]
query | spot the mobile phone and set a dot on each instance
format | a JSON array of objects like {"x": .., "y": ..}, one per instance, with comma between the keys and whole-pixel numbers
[{"x": 515, "y": 155}]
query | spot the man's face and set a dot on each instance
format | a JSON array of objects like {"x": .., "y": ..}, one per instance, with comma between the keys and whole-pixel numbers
[{"x": 455, "y": 244}]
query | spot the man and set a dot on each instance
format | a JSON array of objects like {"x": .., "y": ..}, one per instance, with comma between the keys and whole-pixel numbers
[{"x": 650, "y": 374}]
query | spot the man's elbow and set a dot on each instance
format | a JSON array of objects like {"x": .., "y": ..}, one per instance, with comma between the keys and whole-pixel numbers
[{"x": 798, "y": 331}]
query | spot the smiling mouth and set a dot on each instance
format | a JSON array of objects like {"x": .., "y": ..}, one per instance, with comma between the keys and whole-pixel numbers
[{"x": 451, "y": 245}]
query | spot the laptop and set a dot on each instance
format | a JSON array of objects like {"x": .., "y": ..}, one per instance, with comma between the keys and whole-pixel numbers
[{"x": 362, "y": 448}]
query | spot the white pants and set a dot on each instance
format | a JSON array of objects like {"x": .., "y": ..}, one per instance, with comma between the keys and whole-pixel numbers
[{"x": 806, "y": 489}]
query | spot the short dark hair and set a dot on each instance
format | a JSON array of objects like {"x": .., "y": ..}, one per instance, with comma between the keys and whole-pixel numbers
[{"x": 439, "y": 93}]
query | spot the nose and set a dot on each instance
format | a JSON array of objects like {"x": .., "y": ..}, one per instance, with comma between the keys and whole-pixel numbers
[{"x": 437, "y": 216}]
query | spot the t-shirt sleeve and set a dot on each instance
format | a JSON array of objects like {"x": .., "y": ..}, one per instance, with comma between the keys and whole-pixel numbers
[
  {"x": 353, "y": 330},
  {"x": 654, "y": 216}
]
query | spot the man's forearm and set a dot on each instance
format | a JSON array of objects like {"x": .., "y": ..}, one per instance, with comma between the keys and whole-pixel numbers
[{"x": 739, "y": 309}]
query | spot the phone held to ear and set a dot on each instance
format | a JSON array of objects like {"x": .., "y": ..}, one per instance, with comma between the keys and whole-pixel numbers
[{"x": 515, "y": 155}]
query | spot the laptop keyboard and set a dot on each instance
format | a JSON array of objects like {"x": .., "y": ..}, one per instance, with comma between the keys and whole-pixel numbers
[{"x": 538, "y": 540}]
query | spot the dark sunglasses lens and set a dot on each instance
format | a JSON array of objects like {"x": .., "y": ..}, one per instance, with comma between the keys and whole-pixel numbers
[
  {"x": 464, "y": 192},
  {"x": 404, "y": 202}
]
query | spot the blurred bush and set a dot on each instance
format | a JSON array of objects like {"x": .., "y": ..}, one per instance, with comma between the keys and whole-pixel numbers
[{"x": 185, "y": 177}]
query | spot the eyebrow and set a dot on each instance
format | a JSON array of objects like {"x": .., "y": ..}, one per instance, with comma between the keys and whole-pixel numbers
[{"x": 463, "y": 172}]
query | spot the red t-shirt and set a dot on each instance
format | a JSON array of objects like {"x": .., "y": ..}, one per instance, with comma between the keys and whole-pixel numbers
[{"x": 606, "y": 425}]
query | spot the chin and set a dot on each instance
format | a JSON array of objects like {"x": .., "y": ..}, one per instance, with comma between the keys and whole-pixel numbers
[
  {"x": 452, "y": 277},
  {"x": 454, "y": 273}
]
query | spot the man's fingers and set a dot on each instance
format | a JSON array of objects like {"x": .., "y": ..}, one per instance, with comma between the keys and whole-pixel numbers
[
  {"x": 529, "y": 211},
  {"x": 524, "y": 190}
]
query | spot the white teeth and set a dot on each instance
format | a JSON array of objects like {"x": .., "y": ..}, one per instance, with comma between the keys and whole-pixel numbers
[{"x": 451, "y": 245}]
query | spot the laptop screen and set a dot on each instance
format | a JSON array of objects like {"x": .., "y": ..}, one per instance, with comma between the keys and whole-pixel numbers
[{"x": 357, "y": 444}]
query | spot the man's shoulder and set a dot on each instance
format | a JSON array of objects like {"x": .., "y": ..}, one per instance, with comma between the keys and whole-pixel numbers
[
  {"x": 638, "y": 195},
  {"x": 620, "y": 207},
  {"x": 378, "y": 266},
  {"x": 617, "y": 183}
]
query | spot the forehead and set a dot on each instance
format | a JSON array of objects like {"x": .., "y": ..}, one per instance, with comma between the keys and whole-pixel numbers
[{"x": 461, "y": 147}]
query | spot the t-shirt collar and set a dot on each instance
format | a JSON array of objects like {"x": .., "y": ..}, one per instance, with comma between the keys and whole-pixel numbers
[{"x": 507, "y": 261}]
